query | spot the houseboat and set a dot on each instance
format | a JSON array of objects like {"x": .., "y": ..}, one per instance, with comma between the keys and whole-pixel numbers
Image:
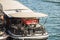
[
  {"x": 25, "y": 25},
  {"x": 21, "y": 22}
]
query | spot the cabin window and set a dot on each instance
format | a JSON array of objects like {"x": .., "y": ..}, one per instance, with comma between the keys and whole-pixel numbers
[{"x": 30, "y": 21}]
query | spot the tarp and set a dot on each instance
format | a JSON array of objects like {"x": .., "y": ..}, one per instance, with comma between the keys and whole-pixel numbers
[{"x": 30, "y": 21}]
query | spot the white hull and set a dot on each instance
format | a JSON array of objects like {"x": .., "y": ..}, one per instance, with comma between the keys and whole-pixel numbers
[
  {"x": 44, "y": 36},
  {"x": 33, "y": 37}
]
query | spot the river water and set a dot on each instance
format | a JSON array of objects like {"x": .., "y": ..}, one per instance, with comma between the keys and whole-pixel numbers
[{"x": 52, "y": 9}]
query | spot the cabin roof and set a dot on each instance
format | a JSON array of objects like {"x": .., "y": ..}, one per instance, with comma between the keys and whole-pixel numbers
[
  {"x": 12, "y": 5},
  {"x": 24, "y": 14}
]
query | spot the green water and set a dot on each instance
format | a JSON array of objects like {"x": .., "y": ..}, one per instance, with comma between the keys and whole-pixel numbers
[{"x": 53, "y": 10}]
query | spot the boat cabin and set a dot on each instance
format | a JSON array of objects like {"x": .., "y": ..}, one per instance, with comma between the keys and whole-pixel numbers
[
  {"x": 20, "y": 22},
  {"x": 24, "y": 24}
]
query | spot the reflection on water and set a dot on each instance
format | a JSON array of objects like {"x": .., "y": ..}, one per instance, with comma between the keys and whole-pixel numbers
[{"x": 53, "y": 10}]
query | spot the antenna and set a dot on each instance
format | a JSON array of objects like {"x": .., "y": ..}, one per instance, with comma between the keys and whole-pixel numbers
[{"x": 45, "y": 21}]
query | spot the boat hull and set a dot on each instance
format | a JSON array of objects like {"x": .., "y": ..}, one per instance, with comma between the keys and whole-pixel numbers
[
  {"x": 3, "y": 37},
  {"x": 41, "y": 37}
]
